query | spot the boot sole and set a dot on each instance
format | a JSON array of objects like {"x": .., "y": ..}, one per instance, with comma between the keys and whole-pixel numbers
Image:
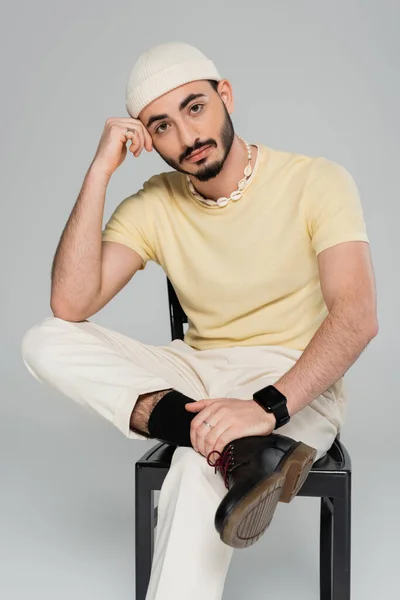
[
  {"x": 250, "y": 518},
  {"x": 296, "y": 469}
]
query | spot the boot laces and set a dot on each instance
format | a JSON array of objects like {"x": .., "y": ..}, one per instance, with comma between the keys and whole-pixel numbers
[{"x": 224, "y": 462}]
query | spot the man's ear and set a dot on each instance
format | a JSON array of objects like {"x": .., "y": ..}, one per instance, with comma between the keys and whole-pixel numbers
[{"x": 226, "y": 94}]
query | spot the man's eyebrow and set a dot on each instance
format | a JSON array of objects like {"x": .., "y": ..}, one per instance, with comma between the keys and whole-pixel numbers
[{"x": 182, "y": 105}]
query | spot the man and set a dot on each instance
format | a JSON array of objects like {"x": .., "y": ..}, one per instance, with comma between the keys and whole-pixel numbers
[{"x": 268, "y": 253}]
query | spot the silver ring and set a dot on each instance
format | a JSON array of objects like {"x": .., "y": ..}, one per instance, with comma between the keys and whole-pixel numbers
[
  {"x": 129, "y": 129},
  {"x": 208, "y": 424}
]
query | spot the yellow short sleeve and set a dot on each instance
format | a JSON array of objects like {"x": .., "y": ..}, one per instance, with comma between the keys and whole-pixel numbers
[
  {"x": 131, "y": 224},
  {"x": 332, "y": 206}
]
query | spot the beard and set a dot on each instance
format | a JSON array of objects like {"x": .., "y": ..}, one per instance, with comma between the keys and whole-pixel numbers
[{"x": 213, "y": 169}]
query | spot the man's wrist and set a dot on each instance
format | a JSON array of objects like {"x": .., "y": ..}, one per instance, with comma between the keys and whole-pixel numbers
[
  {"x": 269, "y": 417},
  {"x": 274, "y": 402}
]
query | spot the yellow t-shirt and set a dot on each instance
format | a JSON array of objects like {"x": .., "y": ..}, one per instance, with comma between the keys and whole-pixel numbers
[{"x": 246, "y": 274}]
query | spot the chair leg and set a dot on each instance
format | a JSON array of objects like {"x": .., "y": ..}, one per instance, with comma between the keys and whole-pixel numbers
[
  {"x": 341, "y": 576},
  {"x": 325, "y": 550},
  {"x": 144, "y": 535}
]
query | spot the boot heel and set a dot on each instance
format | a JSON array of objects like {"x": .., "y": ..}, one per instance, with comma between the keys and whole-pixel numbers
[
  {"x": 296, "y": 469},
  {"x": 253, "y": 515}
]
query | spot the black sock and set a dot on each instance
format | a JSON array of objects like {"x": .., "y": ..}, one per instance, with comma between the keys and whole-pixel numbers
[{"x": 169, "y": 420}]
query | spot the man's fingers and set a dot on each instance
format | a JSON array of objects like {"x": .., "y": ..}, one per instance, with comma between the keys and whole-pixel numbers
[
  {"x": 195, "y": 406},
  {"x": 145, "y": 136}
]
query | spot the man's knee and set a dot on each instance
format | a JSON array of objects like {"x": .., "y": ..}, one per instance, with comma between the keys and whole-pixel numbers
[{"x": 37, "y": 347}]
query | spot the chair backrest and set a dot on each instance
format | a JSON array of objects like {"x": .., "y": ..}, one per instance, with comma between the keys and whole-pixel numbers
[{"x": 177, "y": 315}]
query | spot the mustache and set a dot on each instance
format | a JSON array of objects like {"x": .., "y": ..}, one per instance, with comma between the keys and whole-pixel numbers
[{"x": 197, "y": 147}]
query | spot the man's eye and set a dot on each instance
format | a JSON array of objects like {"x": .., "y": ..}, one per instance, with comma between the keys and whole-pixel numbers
[
  {"x": 159, "y": 130},
  {"x": 159, "y": 127}
]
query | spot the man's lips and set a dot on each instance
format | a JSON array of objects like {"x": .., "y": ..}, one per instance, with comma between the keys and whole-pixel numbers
[{"x": 198, "y": 153}]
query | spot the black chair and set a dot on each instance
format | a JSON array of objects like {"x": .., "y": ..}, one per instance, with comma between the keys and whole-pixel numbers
[{"x": 329, "y": 479}]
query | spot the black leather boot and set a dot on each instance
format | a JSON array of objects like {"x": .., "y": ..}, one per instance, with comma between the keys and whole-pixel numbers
[{"x": 259, "y": 472}]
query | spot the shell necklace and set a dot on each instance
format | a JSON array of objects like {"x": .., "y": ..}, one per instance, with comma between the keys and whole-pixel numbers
[{"x": 236, "y": 195}]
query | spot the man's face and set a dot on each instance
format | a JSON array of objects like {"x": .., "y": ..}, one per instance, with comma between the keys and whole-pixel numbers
[{"x": 189, "y": 118}]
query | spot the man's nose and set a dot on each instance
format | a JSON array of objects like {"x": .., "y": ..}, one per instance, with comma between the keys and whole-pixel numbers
[{"x": 189, "y": 138}]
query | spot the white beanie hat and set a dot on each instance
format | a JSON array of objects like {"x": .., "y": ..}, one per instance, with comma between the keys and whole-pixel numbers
[{"x": 163, "y": 68}]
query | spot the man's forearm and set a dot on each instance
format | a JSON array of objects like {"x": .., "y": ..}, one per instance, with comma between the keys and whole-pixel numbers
[
  {"x": 335, "y": 346},
  {"x": 76, "y": 269}
]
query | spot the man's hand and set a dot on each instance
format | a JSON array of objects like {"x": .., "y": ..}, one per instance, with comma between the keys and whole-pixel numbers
[
  {"x": 112, "y": 150},
  {"x": 231, "y": 418}
]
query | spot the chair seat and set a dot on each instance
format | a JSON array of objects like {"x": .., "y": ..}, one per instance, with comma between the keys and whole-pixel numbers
[{"x": 322, "y": 476}]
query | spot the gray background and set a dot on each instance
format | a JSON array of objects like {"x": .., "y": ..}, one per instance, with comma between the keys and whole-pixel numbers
[{"x": 320, "y": 78}]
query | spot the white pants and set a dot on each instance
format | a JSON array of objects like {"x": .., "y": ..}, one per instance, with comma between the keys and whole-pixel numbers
[{"x": 106, "y": 371}]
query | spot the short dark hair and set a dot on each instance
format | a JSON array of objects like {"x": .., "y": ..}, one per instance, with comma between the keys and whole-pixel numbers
[{"x": 214, "y": 84}]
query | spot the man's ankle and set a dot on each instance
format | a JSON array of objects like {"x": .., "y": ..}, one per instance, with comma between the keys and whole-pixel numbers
[
  {"x": 169, "y": 420},
  {"x": 144, "y": 406}
]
